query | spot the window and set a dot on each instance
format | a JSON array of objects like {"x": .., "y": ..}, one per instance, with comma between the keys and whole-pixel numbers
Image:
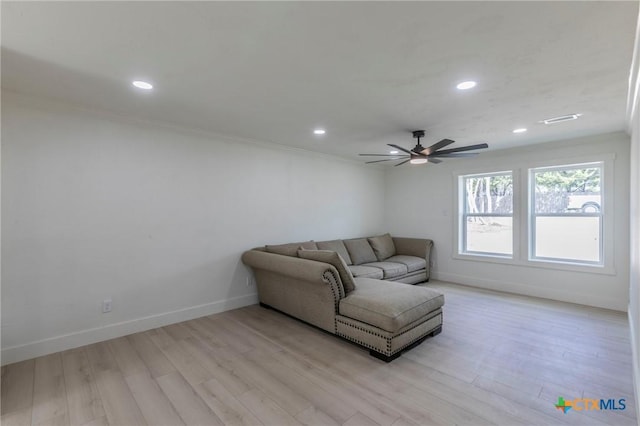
[
  {"x": 565, "y": 222},
  {"x": 487, "y": 214}
]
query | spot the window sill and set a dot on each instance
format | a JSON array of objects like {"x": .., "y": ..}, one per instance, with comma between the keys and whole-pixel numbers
[{"x": 543, "y": 264}]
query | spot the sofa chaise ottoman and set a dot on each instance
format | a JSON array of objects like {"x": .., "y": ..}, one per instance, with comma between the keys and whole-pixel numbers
[{"x": 318, "y": 287}]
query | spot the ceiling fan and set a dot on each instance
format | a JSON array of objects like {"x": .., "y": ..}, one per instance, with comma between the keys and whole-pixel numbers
[{"x": 432, "y": 154}]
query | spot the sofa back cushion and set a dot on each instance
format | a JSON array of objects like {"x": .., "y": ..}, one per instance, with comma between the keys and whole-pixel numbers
[
  {"x": 337, "y": 246},
  {"x": 360, "y": 251},
  {"x": 333, "y": 258},
  {"x": 382, "y": 246},
  {"x": 291, "y": 249}
]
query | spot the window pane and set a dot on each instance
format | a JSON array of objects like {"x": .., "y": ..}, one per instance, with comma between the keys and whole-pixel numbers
[
  {"x": 573, "y": 190},
  {"x": 489, "y": 234},
  {"x": 489, "y": 194},
  {"x": 569, "y": 238}
]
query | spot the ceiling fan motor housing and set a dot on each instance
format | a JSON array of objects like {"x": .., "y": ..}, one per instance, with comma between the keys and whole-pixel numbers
[{"x": 417, "y": 134}]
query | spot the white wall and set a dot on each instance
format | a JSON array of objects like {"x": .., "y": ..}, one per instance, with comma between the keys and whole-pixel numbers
[
  {"x": 421, "y": 201},
  {"x": 634, "y": 231},
  {"x": 97, "y": 206}
]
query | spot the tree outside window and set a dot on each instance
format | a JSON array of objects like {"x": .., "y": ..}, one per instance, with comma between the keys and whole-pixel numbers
[{"x": 487, "y": 214}]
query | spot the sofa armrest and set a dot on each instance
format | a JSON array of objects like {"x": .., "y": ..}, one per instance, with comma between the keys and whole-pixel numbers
[
  {"x": 303, "y": 288},
  {"x": 420, "y": 247}
]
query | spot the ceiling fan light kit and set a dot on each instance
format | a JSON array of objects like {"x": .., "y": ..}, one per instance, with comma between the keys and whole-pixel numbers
[
  {"x": 418, "y": 160},
  {"x": 431, "y": 154}
]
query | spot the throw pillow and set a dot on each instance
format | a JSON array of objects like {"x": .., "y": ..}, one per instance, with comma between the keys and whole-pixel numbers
[
  {"x": 334, "y": 259},
  {"x": 338, "y": 247},
  {"x": 291, "y": 249},
  {"x": 382, "y": 246},
  {"x": 360, "y": 251}
]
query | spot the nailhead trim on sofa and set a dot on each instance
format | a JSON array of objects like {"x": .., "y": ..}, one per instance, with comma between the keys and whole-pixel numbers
[{"x": 388, "y": 339}]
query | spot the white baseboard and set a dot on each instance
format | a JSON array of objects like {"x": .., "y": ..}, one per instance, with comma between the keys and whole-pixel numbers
[
  {"x": 98, "y": 334},
  {"x": 636, "y": 361},
  {"x": 527, "y": 290}
]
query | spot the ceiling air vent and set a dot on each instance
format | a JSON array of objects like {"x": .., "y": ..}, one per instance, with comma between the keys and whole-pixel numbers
[{"x": 560, "y": 119}]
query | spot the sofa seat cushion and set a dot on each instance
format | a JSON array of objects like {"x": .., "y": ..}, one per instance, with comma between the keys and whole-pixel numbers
[
  {"x": 413, "y": 263},
  {"x": 366, "y": 271},
  {"x": 389, "y": 269},
  {"x": 388, "y": 305}
]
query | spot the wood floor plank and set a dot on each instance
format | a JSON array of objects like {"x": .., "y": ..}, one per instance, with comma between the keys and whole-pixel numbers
[
  {"x": 17, "y": 386},
  {"x": 233, "y": 339},
  {"x": 199, "y": 329},
  {"x": 225, "y": 405},
  {"x": 191, "y": 408},
  {"x": 156, "y": 362},
  {"x": 403, "y": 421},
  {"x": 266, "y": 409},
  {"x": 49, "y": 393},
  {"x": 184, "y": 362},
  {"x": 100, "y": 421},
  {"x": 100, "y": 357},
  {"x": 313, "y": 416},
  {"x": 83, "y": 398},
  {"x": 177, "y": 331},
  {"x": 360, "y": 419},
  {"x": 128, "y": 360},
  {"x": 323, "y": 401},
  {"x": 19, "y": 417},
  {"x": 285, "y": 397},
  {"x": 153, "y": 403},
  {"x": 343, "y": 388},
  {"x": 202, "y": 353},
  {"x": 117, "y": 400}
]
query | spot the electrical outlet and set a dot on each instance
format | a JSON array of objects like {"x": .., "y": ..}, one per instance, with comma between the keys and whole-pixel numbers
[
  {"x": 106, "y": 306},
  {"x": 431, "y": 263},
  {"x": 248, "y": 281}
]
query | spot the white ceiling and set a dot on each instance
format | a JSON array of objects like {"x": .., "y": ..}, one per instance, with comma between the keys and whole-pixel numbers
[{"x": 367, "y": 72}]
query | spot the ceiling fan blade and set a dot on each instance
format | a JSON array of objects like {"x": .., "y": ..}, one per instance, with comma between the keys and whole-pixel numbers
[
  {"x": 382, "y": 155},
  {"x": 463, "y": 154},
  {"x": 402, "y": 149},
  {"x": 380, "y": 161},
  {"x": 434, "y": 160},
  {"x": 400, "y": 164},
  {"x": 462, "y": 148},
  {"x": 436, "y": 146}
]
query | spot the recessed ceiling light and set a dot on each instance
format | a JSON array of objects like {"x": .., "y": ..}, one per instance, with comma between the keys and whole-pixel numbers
[
  {"x": 465, "y": 85},
  {"x": 520, "y": 130},
  {"x": 393, "y": 152},
  {"x": 561, "y": 119},
  {"x": 319, "y": 132},
  {"x": 142, "y": 85}
]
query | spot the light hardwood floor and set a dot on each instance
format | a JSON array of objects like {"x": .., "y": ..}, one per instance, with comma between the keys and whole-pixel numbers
[{"x": 501, "y": 359}]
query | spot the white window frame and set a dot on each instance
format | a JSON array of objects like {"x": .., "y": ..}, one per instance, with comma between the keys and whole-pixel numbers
[
  {"x": 464, "y": 215},
  {"x": 521, "y": 202},
  {"x": 533, "y": 215}
]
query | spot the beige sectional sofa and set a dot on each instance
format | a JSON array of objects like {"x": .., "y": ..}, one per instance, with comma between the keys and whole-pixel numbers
[{"x": 357, "y": 289}]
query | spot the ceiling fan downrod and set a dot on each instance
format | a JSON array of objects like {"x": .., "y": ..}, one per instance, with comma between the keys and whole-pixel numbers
[{"x": 417, "y": 134}]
